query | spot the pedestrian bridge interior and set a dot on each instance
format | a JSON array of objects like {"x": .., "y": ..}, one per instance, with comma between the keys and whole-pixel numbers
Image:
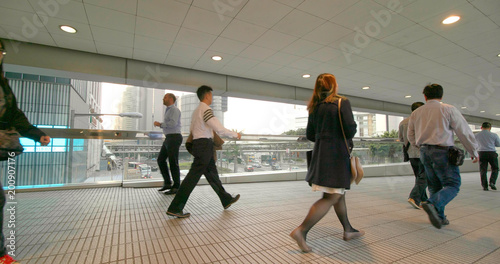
[{"x": 268, "y": 47}]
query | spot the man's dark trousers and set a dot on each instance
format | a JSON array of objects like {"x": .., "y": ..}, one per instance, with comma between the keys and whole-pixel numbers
[
  {"x": 418, "y": 193},
  {"x": 170, "y": 150},
  {"x": 486, "y": 157},
  {"x": 204, "y": 163}
]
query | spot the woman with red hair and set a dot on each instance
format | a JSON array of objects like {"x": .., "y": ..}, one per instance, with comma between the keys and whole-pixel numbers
[{"x": 329, "y": 171}]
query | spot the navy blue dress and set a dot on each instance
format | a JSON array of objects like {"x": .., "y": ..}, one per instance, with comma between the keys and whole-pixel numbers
[{"x": 330, "y": 166}]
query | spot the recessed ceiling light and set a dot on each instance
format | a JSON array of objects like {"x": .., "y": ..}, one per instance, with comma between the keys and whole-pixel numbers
[
  {"x": 498, "y": 55},
  {"x": 482, "y": 111},
  {"x": 366, "y": 88},
  {"x": 464, "y": 107},
  {"x": 216, "y": 58},
  {"x": 306, "y": 76},
  {"x": 451, "y": 20},
  {"x": 407, "y": 96},
  {"x": 497, "y": 114},
  {"x": 68, "y": 29}
]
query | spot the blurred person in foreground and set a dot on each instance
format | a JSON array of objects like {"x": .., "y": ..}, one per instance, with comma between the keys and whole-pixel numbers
[
  {"x": 418, "y": 193},
  {"x": 329, "y": 171},
  {"x": 431, "y": 127},
  {"x": 488, "y": 154},
  {"x": 11, "y": 117}
]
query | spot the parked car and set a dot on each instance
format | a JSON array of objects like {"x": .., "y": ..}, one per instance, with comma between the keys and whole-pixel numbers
[
  {"x": 276, "y": 167},
  {"x": 154, "y": 168},
  {"x": 249, "y": 168},
  {"x": 256, "y": 165}
]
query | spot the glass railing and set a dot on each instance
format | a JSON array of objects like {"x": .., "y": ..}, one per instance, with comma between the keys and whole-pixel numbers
[{"x": 79, "y": 157}]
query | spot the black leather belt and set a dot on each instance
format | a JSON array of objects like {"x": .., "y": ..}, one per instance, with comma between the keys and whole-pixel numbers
[{"x": 436, "y": 146}]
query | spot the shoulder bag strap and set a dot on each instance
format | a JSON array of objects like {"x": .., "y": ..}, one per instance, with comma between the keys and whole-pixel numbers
[{"x": 342, "y": 127}]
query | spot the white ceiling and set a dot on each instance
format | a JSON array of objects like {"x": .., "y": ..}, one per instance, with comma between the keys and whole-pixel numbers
[{"x": 395, "y": 52}]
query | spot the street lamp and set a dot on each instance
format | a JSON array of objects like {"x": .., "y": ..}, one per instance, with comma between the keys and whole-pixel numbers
[{"x": 126, "y": 114}]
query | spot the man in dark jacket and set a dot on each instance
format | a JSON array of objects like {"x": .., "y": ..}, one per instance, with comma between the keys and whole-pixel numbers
[{"x": 12, "y": 118}]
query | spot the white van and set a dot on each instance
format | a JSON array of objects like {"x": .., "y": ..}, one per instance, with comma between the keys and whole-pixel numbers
[{"x": 140, "y": 169}]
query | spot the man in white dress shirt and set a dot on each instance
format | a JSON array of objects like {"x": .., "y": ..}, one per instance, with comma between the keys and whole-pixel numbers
[
  {"x": 431, "y": 127},
  {"x": 203, "y": 124},
  {"x": 488, "y": 154}
]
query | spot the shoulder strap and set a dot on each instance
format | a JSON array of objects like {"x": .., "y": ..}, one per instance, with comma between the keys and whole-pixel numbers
[{"x": 342, "y": 127}]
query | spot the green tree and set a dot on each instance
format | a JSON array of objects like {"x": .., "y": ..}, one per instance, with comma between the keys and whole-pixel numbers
[
  {"x": 389, "y": 134},
  {"x": 296, "y": 132}
]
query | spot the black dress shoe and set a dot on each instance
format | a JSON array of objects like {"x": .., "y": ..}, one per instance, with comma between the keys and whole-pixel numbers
[
  {"x": 433, "y": 215},
  {"x": 493, "y": 187},
  {"x": 164, "y": 188},
  {"x": 179, "y": 214},
  {"x": 171, "y": 191},
  {"x": 485, "y": 189},
  {"x": 234, "y": 200}
]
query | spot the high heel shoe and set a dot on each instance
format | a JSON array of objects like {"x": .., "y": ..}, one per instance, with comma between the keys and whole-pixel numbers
[{"x": 352, "y": 235}]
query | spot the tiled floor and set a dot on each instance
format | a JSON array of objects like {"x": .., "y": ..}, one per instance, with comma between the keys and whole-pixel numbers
[{"x": 125, "y": 225}]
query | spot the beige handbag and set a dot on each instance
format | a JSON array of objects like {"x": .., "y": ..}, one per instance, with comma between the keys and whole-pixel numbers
[{"x": 357, "y": 172}]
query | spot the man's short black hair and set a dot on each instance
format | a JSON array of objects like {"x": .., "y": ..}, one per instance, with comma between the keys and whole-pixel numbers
[
  {"x": 486, "y": 125},
  {"x": 202, "y": 90},
  {"x": 416, "y": 105},
  {"x": 433, "y": 91}
]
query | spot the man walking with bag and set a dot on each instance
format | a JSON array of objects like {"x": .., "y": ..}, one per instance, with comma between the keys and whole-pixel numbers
[
  {"x": 487, "y": 154},
  {"x": 431, "y": 127},
  {"x": 203, "y": 125}
]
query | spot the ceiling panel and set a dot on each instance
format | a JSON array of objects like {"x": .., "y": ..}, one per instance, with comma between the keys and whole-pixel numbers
[
  {"x": 254, "y": 13},
  {"x": 256, "y": 52},
  {"x": 325, "y": 54},
  {"x": 21, "y": 5},
  {"x": 282, "y": 58},
  {"x": 113, "y": 50},
  {"x": 186, "y": 51},
  {"x": 302, "y": 47},
  {"x": 125, "y": 6},
  {"x": 83, "y": 30},
  {"x": 106, "y": 18},
  {"x": 205, "y": 21},
  {"x": 155, "y": 29},
  {"x": 145, "y": 55},
  {"x": 70, "y": 10},
  {"x": 150, "y": 44},
  {"x": 275, "y": 40},
  {"x": 167, "y": 11},
  {"x": 325, "y": 9},
  {"x": 243, "y": 31},
  {"x": 17, "y": 33},
  {"x": 67, "y": 42},
  {"x": 111, "y": 36},
  {"x": 423, "y": 10},
  {"x": 298, "y": 23},
  {"x": 224, "y": 9},
  {"x": 226, "y": 45},
  {"x": 327, "y": 33},
  {"x": 195, "y": 38}
]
